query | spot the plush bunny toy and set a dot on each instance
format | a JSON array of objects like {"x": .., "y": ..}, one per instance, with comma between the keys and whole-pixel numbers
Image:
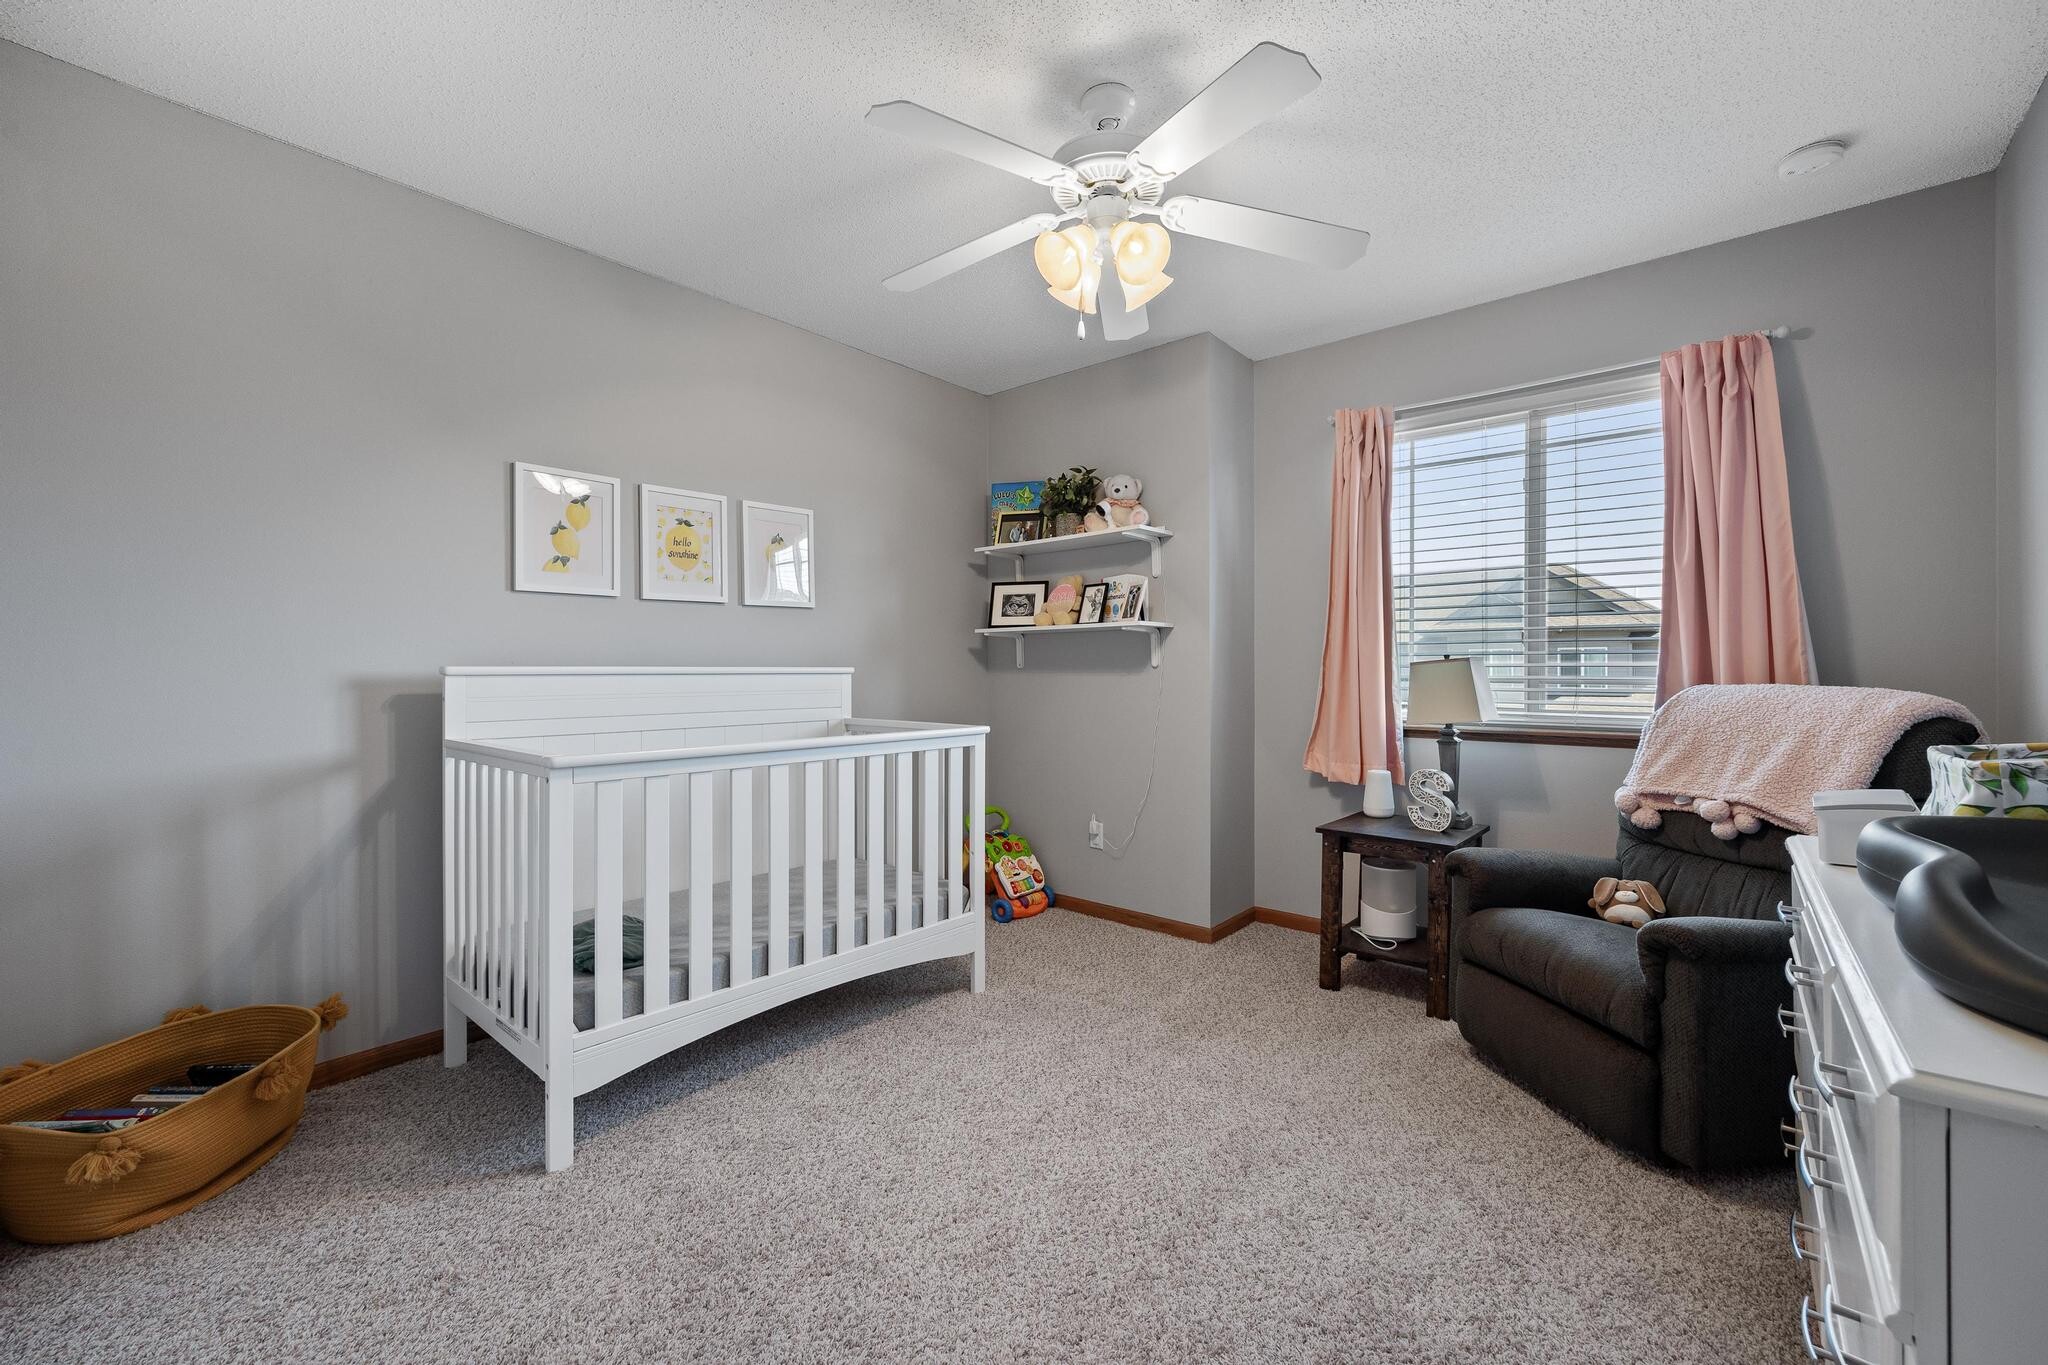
[{"x": 1625, "y": 902}]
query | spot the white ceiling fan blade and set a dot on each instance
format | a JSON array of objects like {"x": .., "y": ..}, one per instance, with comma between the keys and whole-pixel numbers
[
  {"x": 1120, "y": 321},
  {"x": 967, "y": 253},
  {"x": 1259, "y": 85},
  {"x": 920, "y": 124},
  {"x": 1277, "y": 234}
]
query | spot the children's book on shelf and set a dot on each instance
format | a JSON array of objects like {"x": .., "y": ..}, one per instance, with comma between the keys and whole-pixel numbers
[{"x": 1025, "y": 495}]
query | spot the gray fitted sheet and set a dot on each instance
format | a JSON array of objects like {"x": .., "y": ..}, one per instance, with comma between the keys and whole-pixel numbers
[{"x": 633, "y": 992}]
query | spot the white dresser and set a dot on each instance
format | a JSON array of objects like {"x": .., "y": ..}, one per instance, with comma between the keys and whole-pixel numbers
[{"x": 1920, "y": 1139}]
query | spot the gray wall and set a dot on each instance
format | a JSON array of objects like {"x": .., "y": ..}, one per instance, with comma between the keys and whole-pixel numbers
[
  {"x": 256, "y": 412},
  {"x": 1887, "y": 398},
  {"x": 2022, "y": 568},
  {"x": 1079, "y": 725}
]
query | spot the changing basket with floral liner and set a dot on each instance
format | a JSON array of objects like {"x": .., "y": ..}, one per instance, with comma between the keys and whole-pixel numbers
[{"x": 78, "y": 1187}]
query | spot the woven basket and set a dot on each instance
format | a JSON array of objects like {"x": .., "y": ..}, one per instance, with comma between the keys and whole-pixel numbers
[{"x": 79, "y": 1187}]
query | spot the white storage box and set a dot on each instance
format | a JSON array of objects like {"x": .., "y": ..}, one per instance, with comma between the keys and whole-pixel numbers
[{"x": 1842, "y": 816}]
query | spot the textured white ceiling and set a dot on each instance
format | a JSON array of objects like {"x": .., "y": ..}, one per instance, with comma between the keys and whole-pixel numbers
[{"x": 1491, "y": 148}]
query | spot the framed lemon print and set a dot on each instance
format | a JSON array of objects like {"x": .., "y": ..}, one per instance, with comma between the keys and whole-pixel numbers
[
  {"x": 778, "y": 558},
  {"x": 565, "y": 531},
  {"x": 682, "y": 545}
]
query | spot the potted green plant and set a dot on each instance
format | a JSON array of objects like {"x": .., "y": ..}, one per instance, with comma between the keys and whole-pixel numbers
[{"x": 1068, "y": 497}]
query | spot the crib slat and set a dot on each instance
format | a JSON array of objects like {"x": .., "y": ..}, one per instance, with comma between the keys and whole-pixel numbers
[
  {"x": 515, "y": 929},
  {"x": 654, "y": 895},
  {"x": 448, "y": 878},
  {"x": 494, "y": 950},
  {"x": 906, "y": 878},
  {"x": 814, "y": 861},
  {"x": 778, "y": 868},
  {"x": 977, "y": 834},
  {"x": 536, "y": 906},
  {"x": 471, "y": 823},
  {"x": 458, "y": 866},
  {"x": 843, "y": 767},
  {"x": 877, "y": 817},
  {"x": 934, "y": 908},
  {"x": 608, "y": 872},
  {"x": 494, "y": 888},
  {"x": 740, "y": 922},
  {"x": 702, "y": 805},
  {"x": 458, "y": 851},
  {"x": 955, "y": 829}
]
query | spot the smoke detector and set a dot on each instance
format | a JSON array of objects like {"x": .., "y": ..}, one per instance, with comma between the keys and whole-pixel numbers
[{"x": 1814, "y": 156}]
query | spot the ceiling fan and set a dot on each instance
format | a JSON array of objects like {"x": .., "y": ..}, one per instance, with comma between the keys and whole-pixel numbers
[{"x": 1105, "y": 181}]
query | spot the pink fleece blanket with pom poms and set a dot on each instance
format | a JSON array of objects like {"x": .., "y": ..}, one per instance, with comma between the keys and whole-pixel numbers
[{"x": 1738, "y": 754}]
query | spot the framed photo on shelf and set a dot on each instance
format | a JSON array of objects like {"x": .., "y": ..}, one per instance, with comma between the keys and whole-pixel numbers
[
  {"x": 779, "y": 554},
  {"x": 1125, "y": 598},
  {"x": 565, "y": 531},
  {"x": 683, "y": 545},
  {"x": 1092, "y": 595},
  {"x": 1015, "y": 604},
  {"x": 1014, "y": 528},
  {"x": 1023, "y": 495}
]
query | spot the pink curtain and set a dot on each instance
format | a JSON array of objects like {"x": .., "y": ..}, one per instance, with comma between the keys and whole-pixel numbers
[
  {"x": 1356, "y": 728},
  {"x": 1732, "y": 608}
]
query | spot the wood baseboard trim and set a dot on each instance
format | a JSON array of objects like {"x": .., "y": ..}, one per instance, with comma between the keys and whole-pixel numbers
[
  {"x": 1194, "y": 933},
  {"x": 1307, "y": 924},
  {"x": 1137, "y": 919},
  {"x": 1231, "y": 925},
  {"x": 353, "y": 1065}
]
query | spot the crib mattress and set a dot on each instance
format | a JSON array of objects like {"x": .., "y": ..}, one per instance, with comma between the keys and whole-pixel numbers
[{"x": 633, "y": 991}]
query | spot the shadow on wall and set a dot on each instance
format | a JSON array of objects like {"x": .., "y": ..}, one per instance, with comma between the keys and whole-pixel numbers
[
  {"x": 1820, "y": 558},
  {"x": 244, "y": 888}
]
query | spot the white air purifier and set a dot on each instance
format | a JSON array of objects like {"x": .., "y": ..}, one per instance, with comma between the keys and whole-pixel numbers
[{"x": 1386, "y": 899}]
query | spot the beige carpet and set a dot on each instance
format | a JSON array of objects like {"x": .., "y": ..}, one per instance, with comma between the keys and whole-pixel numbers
[{"x": 1130, "y": 1148}]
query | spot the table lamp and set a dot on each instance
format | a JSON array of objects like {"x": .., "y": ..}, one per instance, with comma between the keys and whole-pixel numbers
[{"x": 1447, "y": 693}]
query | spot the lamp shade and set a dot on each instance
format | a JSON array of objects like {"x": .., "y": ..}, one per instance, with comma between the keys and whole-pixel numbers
[{"x": 1449, "y": 692}]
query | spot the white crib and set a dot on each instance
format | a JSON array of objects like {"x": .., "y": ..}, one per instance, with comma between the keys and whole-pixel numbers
[{"x": 578, "y": 800}]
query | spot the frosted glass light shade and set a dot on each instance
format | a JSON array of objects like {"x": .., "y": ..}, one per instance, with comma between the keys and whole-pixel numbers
[
  {"x": 1066, "y": 262},
  {"x": 1141, "y": 251}
]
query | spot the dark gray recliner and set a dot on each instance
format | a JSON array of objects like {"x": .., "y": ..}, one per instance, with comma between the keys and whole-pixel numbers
[{"x": 1664, "y": 1041}]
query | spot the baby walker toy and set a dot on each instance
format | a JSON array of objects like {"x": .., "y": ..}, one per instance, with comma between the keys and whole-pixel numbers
[{"x": 1017, "y": 887}]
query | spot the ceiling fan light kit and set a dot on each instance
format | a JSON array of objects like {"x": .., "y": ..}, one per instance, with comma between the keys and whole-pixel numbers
[{"x": 1104, "y": 182}]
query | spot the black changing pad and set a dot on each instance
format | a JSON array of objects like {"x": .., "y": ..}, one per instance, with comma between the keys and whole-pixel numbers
[{"x": 1969, "y": 898}]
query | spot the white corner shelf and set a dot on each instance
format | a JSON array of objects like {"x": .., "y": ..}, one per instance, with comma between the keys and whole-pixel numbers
[
  {"x": 1155, "y": 629},
  {"x": 1017, "y": 553}
]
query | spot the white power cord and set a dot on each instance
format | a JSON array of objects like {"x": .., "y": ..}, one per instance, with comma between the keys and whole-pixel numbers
[{"x": 1111, "y": 846}]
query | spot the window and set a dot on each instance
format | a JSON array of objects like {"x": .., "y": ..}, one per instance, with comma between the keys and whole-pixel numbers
[{"x": 1529, "y": 531}]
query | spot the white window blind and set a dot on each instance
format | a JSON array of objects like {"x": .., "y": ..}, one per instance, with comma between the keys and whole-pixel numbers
[{"x": 1529, "y": 530}]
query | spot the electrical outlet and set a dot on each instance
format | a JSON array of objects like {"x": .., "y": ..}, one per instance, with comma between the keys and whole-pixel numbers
[{"x": 1094, "y": 832}]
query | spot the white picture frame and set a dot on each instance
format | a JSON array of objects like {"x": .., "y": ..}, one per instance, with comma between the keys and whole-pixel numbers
[
  {"x": 674, "y": 523},
  {"x": 543, "y": 499},
  {"x": 779, "y": 552},
  {"x": 1125, "y": 597}
]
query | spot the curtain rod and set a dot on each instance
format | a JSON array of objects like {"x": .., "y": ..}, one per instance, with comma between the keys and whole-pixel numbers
[{"x": 1779, "y": 332}]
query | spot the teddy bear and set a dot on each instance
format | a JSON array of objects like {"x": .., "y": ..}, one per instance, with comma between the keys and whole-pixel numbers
[
  {"x": 1119, "y": 505},
  {"x": 1062, "y": 605},
  {"x": 1626, "y": 902}
]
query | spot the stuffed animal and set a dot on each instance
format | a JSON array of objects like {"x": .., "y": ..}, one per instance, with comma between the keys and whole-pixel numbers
[
  {"x": 1625, "y": 902},
  {"x": 1119, "y": 505},
  {"x": 1062, "y": 605}
]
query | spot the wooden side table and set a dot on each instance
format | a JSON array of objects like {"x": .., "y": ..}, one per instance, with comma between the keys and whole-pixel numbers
[{"x": 1394, "y": 839}]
